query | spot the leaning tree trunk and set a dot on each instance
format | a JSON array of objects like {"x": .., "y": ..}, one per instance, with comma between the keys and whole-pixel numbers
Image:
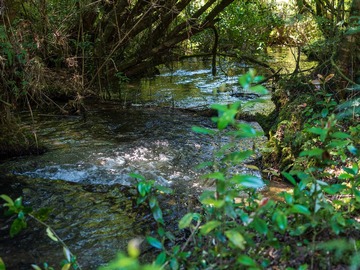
[
  {"x": 138, "y": 36},
  {"x": 348, "y": 60}
]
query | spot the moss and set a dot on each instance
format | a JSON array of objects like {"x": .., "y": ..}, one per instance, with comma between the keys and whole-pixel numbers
[
  {"x": 17, "y": 141},
  {"x": 284, "y": 131}
]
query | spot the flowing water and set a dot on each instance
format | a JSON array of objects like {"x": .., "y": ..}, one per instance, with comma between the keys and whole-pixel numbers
[{"x": 84, "y": 175}]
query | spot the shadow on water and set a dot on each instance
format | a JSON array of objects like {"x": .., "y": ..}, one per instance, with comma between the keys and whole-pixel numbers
[{"x": 84, "y": 177}]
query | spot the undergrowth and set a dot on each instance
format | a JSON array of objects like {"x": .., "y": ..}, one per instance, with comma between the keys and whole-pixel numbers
[{"x": 316, "y": 226}]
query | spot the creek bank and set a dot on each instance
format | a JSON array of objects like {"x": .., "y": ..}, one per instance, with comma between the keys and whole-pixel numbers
[{"x": 17, "y": 141}]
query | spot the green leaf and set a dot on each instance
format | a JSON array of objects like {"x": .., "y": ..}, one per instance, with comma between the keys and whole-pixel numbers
[
  {"x": 51, "y": 235},
  {"x": 154, "y": 242},
  {"x": 17, "y": 226},
  {"x": 246, "y": 131},
  {"x": 236, "y": 238},
  {"x": 340, "y": 135},
  {"x": 355, "y": 168},
  {"x": 324, "y": 112},
  {"x": 66, "y": 266},
  {"x": 239, "y": 156},
  {"x": 350, "y": 171},
  {"x": 353, "y": 150},
  {"x": 334, "y": 189},
  {"x": 248, "y": 181},
  {"x": 300, "y": 209},
  {"x": 214, "y": 175},
  {"x": 161, "y": 258},
  {"x": 246, "y": 260},
  {"x": 186, "y": 220},
  {"x": 18, "y": 202},
  {"x": 319, "y": 131},
  {"x": 260, "y": 225},
  {"x": 209, "y": 226},
  {"x": 316, "y": 152},
  {"x": 153, "y": 202},
  {"x": 281, "y": 220},
  {"x": 34, "y": 266},
  {"x": 2, "y": 264},
  {"x": 259, "y": 89},
  {"x": 245, "y": 80},
  {"x": 174, "y": 265},
  {"x": 219, "y": 107},
  {"x": 213, "y": 202},
  {"x": 137, "y": 176},
  {"x": 6, "y": 198},
  {"x": 163, "y": 189},
  {"x": 67, "y": 254},
  {"x": 133, "y": 248},
  {"x": 157, "y": 214},
  {"x": 201, "y": 130},
  {"x": 143, "y": 188},
  {"x": 289, "y": 177}
]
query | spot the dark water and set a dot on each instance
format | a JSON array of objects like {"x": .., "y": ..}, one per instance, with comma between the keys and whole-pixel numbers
[{"x": 84, "y": 177}]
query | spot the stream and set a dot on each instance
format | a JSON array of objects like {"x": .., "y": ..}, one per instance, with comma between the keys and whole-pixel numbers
[{"x": 83, "y": 180}]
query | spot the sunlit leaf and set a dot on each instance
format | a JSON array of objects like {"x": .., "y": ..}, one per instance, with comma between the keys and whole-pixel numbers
[
  {"x": 350, "y": 171},
  {"x": 245, "y": 80},
  {"x": 252, "y": 167},
  {"x": 134, "y": 247},
  {"x": 67, "y": 254},
  {"x": 2, "y": 264},
  {"x": 300, "y": 209},
  {"x": 329, "y": 77},
  {"x": 209, "y": 226},
  {"x": 154, "y": 242},
  {"x": 34, "y": 266},
  {"x": 249, "y": 181},
  {"x": 66, "y": 266},
  {"x": 236, "y": 238},
  {"x": 51, "y": 235},
  {"x": 186, "y": 220},
  {"x": 7, "y": 199},
  {"x": 219, "y": 107},
  {"x": 214, "y": 175},
  {"x": 213, "y": 202},
  {"x": 259, "y": 89},
  {"x": 18, "y": 202},
  {"x": 246, "y": 260}
]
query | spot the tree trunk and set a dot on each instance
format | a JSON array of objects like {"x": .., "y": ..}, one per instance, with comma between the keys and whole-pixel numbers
[{"x": 349, "y": 52}]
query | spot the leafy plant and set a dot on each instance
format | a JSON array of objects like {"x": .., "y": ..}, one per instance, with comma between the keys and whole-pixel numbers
[{"x": 17, "y": 209}]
